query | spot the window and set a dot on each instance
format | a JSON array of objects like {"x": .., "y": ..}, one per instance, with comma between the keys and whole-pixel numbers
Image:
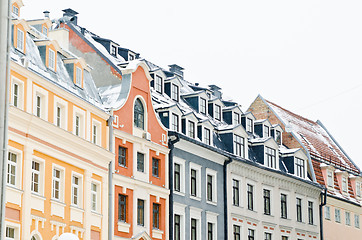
[
  {"x": 268, "y": 236},
  {"x": 94, "y": 196},
  {"x": 122, "y": 208},
  {"x": 251, "y": 234},
  {"x": 174, "y": 123},
  {"x": 15, "y": 10},
  {"x": 210, "y": 231},
  {"x": 10, "y": 233},
  {"x": 94, "y": 134},
  {"x": 51, "y": 59},
  {"x": 140, "y": 162},
  {"x": 217, "y": 112},
  {"x": 202, "y": 105},
  {"x": 75, "y": 190},
  {"x": 337, "y": 215},
  {"x": 310, "y": 213},
  {"x": 236, "y": 192},
  {"x": 35, "y": 176},
  {"x": 358, "y": 189},
  {"x": 266, "y": 131},
  {"x": 270, "y": 157},
  {"x": 140, "y": 212},
  {"x": 236, "y": 118},
  {"x": 131, "y": 57},
  {"x": 174, "y": 92},
  {"x": 11, "y": 175},
  {"x": 191, "y": 129},
  {"x": 356, "y": 221},
  {"x": 193, "y": 229},
  {"x": 278, "y": 137},
  {"x": 299, "y": 210},
  {"x": 299, "y": 167},
  {"x": 45, "y": 30},
  {"x": 138, "y": 114},
  {"x": 20, "y": 40},
  {"x": 177, "y": 177},
  {"x": 283, "y": 205},
  {"x": 327, "y": 212},
  {"x": 38, "y": 105},
  {"x": 156, "y": 216},
  {"x": 266, "y": 195},
  {"x": 58, "y": 116},
  {"x": 249, "y": 125},
  {"x": 250, "y": 193},
  {"x": 158, "y": 84},
  {"x": 207, "y": 136},
  {"x": 344, "y": 184},
  {"x": 56, "y": 184},
  {"x": 122, "y": 156},
  {"x": 236, "y": 232},
  {"x": 348, "y": 218},
  {"x": 113, "y": 50},
  {"x": 177, "y": 227},
  {"x": 193, "y": 182},
  {"x": 15, "y": 94},
  {"x": 78, "y": 77},
  {"x": 155, "y": 167},
  {"x": 330, "y": 178},
  {"x": 210, "y": 187},
  {"x": 77, "y": 125},
  {"x": 239, "y": 146}
]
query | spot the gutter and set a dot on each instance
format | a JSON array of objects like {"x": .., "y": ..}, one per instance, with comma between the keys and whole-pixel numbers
[
  {"x": 171, "y": 145},
  {"x": 110, "y": 180},
  {"x": 226, "y": 163},
  {"x": 323, "y": 203}
]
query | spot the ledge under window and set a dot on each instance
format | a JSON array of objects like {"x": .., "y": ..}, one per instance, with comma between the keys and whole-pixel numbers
[
  {"x": 157, "y": 233},
  {"x": 123, "y": 227}
]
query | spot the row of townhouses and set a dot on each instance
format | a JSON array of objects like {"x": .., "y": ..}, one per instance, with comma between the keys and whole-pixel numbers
[{"x": 104, "y": 144}]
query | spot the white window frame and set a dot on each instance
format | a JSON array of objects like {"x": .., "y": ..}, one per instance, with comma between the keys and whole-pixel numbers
[
  {"x": 20, "y": 40},
  {"x": 344, "y": 184},
  {"x": 239, "y": 151},
  {"x": 203, "y": 108},
  {"x": 61, "y": 182},
  {"x": 198, "y": 180},
  {"x": 179, "y": 209},
  {"x": 288, "y": 199},
  {"x": 266, "y": 131},
  {"x": 175, "y": 95},
  {"x": 358, "y": 189},
  {"x": 20, "y": 93},
  {"x": 337, "y": 215},
  {"x": 296, "y": 167},
  {"x": 15, "y": 10},
  {"x": 327, "y": 212},
  {"x": 16, "y": 228},
  {"x": 213, "y": 174},
  {"x": 81, "y": 114},
  {"x": 356, "y": 221},
  {"x": 40, "y": 177},
  {"x": 217, "y": 112},
  {"x": 96, "y": 136},
  {"x": 18, "y": 166},
  {"x": 181, "y": 162},
  {"x": 43, "y": 94},
  {"x": 97, "y": 196},
  {"x": 158, "y": 84},
  {"x": 330, "y": 178},
  {"x": 45, "y": 30},
  {"x": 79, "y": 187},
  {"x": 269, "y": 153},
  {"x": 63, "y": 105},
  {"x": 189, "y": 122},
  {"x": 195, "y": 213},
  {"x": 175, "y": 125},
  {"x": 51, "y": 59},
  {"x": 206, "y": 140},
  {"x": 78, "y": 76},
  {"x": 347, "y": 216},
  {"x": 249, "y": 125},
  {"x": 236, "y": 118},
  {"x": 211, "y": 217}
]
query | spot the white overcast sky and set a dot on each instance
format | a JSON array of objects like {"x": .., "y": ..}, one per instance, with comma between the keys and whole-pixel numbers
[{"x": 305, "y": 56}]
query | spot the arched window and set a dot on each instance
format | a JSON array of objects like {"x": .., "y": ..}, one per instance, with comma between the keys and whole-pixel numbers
[{"x": 139, "y": 114}]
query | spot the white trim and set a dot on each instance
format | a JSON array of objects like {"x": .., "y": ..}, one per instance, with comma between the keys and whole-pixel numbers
[
  {"x": 43, "y": 94},
  {"x": 20, "y": 94},
  {"x": 81, "y": 114},
  {"x": 58, "y": 102},
  {"x": 79, "y": 187},
  {"x": 213, "y": 174},
  {"x": 198, "y": 168},
  {"x": 181, "y": 162}
]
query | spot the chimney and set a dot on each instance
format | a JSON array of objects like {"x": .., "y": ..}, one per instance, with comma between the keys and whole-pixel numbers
[
  {"x": 71, "y": 15},
  {"x": 216, "y": 90},
  {"x": 46, "y": 14},
  {"x": 176, "y": 69}
]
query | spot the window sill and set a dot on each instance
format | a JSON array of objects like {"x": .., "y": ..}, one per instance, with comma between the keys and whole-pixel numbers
[
  {"x": 75, "y": 207},
  {"x": 157, "y": 233},
  {"x": 211, "y": 202},
  {"x": 195, "y": 198},
  {"x": 37, "y": 195},
  {"x": 96, "y": 213},
  {"x": 179, "y": 193},
  {"x": 57, "y": 201},
  {"x": 123, "y": 227}
]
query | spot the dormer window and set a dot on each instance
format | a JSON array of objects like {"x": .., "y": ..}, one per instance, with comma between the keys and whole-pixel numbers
[
  {"x": 78, "y": 77},
  {"x": 266, "y": 131},
  {"x": 158, "y": 84},
  {"x": 45, "y": 30},
  {"x": 51, "y": 59},
  {"x": 174, "y": 92},
  {"x": 203, "y": 106},
  {"x": 239, "y": 146},
  {"x": 358, "y": 189},
  {"x": 236, "y": 118},
  {"x": 174, "y": 123},
  {"x": 344, "y": 184},
  {"x": 113, "y": 50},
  {"x": 278, "y": 137},
  {"x": 249, "y": 125},
  {"x": 207, "y": 136},
  {"x": 191, "y": 129},
  {"x": 217, "y": 112},
  {"x": 131, "y": 57},
  {"x": 299, "y": 167},
  {"x": 270, "y": 154},
  {"x": 16, "y": 10},
  {"x": 20, "y": 40},
  {"x": 330, "y": 178}
]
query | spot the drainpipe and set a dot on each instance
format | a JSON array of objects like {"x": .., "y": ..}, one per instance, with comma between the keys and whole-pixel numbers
[
  {"x": 323, "y": 203},
  {"x": 5, "y": 26},
  {"x": 171, "y": 145},
  {"x": 110, "y": 180},
  {"x": 226, "y": 232}
]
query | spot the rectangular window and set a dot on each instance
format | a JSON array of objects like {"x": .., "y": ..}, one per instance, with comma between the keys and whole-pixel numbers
[
  {"x": 140, "y": 212},
  {"x": 217, "y": 112},
  {"x": 78, "y": 77},
  {"x": 358, "y": 189},
  {"x": 193, "y": 182},
  {"x": 202, "y": 105},
  {"x": 250, "y": 193},
  {"x": 268, "y": 236},
  {"x": 299, "y": 167},
  {"x": 11, "y": 174},
  {"x": 59, "y": 116},
  {"x": 10, "y": 233},
  {"x": 236, "y": 232},
  {"x": 278, "y": 137},
  {"x": 209, "y": 187},
  {"x": 236, "y": 196},
  {"x": 38, "y": 105},
  {"x": 266, "y": 196},
  {"x": 15, "y": 94},
  {"x": 348, "y": 218},
  {"x": 193, "y": 229},
  {"x": 155, "y": 167},
  {"x": 174, "y": 123},
  {"x": 177, "y": 177},
  {"x": 56, "y": 184},
  {"x": 156, "y": 216},
  {"x": 177, "y": 227},
  {"x": 77, "y": 125},
  {"x": 174, "y": 92},
  {"x": 249, "y": 125},
  {"x": 299, "y": 210},
  {"x": 310, "y": 213},
  {"x": 285, "y": 238},
  {"x": 75, "y": 190},
  {"x": 356, "y": 221},
  {"x": 330, "y": 178},
  {"x": 191, "y": 129},
  {"x": 266, "y": 131},
  {"x": 94, "y": 196},
  {"x": 270, "y": 157},
  {"x": 158, "y": 84},
  {"x": 210, "y": 231},
  {"x": 207, "y": 138},
  {"x": 327, "y": 212},
  {"x": 16, "y": 11},
  {"x": 122, "y": 208},
  {"x": 239, "y": 146},
  {"x": 45, "y": 31},
  {"x": 35, "y": 176},
  {"x": 337, "y": 215},
  {"x": 51, "y": 59},
  {"x": 140, "y": 162},
  {"x": 344, "y": 184},
  {"x": 283, "y": 206},
  {"x": 236, "y": 118},
  {"x": 20, "y": 40},
  {"x": 113, "y": 50},
  {"x": 251, "y": 234},
  {"x": 122, "y": 156}
]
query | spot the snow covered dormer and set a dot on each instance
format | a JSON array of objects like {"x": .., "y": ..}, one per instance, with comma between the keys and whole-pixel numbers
[
  {"x": 235, "y": 140},
  {"x": 342, "y": 179},
  {"x": 171, "y": 117},
  {"x": 20, "y": 29},
  {"x": 215, "y": 107},
  {"x": 198, "y": 101},
  {"x": 41, "y": 25},
  {"x": 172, "y": 88},
  {"x": 294, "y": 161},
  {"x": 276, "y": 133},
  {"x": 205, "y": 132},
  {"x": 189, "y": 124},
  {"x": 328, "y": 175},
  {"x": 48, "y": 52},
  {"x": 265, "y": 151},
  {"x": 356, "y": 182},
  {"x": 76, "y": 68},
  {"x": 109, "y": 45},
  {"x": 128, "y": 54},
  {"x": 262, "y": 128},
  {"x": 232, "y": 114},
  {"x": 158, "y": 79},
  {"x": 247, "y": 120},
  {"x": 15, "y": 7}
]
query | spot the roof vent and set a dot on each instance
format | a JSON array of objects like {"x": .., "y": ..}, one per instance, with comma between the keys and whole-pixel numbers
[
  {"x": 216, "y": 90},
  {"x": 46, "y": 14},
  {"x": 71, "y": 15},
  {"x": 176, "y": 69}
]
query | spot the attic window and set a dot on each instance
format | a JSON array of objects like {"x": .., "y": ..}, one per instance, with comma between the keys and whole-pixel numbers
[
  {"x": 299, "y": 167},
  {"x": 114, "y": 50},
  {"x": 158, "y": 84},
  {"x": 330, "y": 178},
  {"x": 20, "y": 40},
  {"x": 278, "y": 137},
  {"x": 78, "y": 77},
  {"x": 45, "y": 31},
  {"x": 270, "y": 157},
  {"x": 207, "y": 136},
  {"x": 358, "y": 189},
  {"x": 344, "y": 184},
  {"x": 15, "y": 10},
  {"x": 131, "y": 57},
  {"x": 249, "y": 125},
  {"x": 202, "y": 105},
  {"x": 266, "y": 131},
  {"x": 51, "y": 59},
  {"x": 236, "y": 118},
  {"x": 217, "y": 112},
  {"x": 174, "y": 92}
]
